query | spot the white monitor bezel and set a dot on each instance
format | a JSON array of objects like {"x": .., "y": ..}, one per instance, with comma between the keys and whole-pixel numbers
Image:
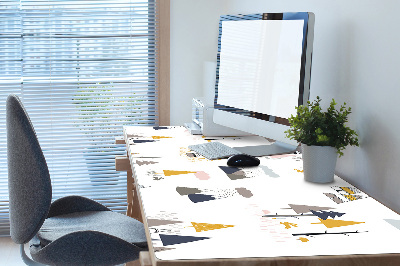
[{"x": 240, "y": 119}]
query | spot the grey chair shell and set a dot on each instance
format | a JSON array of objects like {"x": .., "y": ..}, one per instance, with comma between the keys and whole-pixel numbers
[
  {"x": 70, "y": 231},
  {"x": 28, "y": 176}
]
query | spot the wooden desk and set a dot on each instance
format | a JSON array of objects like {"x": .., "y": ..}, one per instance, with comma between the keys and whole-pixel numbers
[{"x": 201, "y": 212}]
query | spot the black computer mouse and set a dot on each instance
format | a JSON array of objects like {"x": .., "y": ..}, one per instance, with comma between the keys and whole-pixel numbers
[{"x": 243, "y": 160}]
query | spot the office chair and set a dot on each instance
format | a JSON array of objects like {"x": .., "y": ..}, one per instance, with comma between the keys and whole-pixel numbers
[{"x": 70, "y": 231}]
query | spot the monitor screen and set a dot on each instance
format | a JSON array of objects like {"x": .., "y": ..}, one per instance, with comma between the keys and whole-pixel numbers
[
  {"x": 260, "y": 64},
  {"x": 263, "y": 71}
]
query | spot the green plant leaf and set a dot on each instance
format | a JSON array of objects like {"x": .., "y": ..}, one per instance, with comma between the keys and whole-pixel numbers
[{"x": 312, "y": 126}]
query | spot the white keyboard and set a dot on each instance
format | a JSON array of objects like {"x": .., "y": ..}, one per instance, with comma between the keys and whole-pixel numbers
[{"x": 214, "y": 150}]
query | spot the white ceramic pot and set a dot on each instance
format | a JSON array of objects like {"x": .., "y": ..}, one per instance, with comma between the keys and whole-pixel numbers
[{"x": 319, "y": 163}]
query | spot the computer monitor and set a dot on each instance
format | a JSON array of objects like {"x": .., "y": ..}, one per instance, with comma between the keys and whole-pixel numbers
[{"x": 263, "y": 72}]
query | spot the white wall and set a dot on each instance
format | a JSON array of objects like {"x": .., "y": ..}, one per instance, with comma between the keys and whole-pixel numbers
[
  {"x": 356, "y": 60},
  {"x": 194, "y": 41}
]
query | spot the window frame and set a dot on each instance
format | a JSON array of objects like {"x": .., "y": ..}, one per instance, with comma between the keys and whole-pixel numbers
[
  {"x": 163, "y": 70},
  {"x": 163, "y": 36}
]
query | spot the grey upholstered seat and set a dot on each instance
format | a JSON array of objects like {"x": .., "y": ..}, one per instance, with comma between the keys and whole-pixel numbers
[{"x": 70, "y": 231}]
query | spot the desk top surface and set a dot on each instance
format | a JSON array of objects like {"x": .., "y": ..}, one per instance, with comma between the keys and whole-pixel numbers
[{"x": 201, "y": 209}]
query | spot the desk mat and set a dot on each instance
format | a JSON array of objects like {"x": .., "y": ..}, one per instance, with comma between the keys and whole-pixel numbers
[{"x": 201, "y": 209}]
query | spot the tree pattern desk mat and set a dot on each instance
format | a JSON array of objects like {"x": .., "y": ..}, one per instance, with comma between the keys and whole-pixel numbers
[{"x": 201, "y": 209}]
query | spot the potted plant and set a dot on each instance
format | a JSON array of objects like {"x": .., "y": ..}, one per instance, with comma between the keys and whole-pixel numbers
[
  {"x": 323, "y": 135},
  {"x": 100, "y": 108}
]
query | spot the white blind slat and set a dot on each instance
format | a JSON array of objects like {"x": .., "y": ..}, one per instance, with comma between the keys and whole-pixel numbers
[{"x": 83, "y": 69}]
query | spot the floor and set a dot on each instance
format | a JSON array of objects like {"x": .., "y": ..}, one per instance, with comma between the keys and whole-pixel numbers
[{"x": 9, "y": 253}]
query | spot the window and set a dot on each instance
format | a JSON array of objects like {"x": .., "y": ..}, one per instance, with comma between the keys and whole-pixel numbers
[{"x": 83, "y": 69}]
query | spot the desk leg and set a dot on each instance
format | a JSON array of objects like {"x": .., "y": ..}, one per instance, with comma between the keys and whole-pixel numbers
[
  {"x": 133, "y": 210},
  {"x": 132, "y": 197},
  {"x": 129, "y": 192},
  {"x": 144, "y": 260},
  {"x": 133, "y": 263}
]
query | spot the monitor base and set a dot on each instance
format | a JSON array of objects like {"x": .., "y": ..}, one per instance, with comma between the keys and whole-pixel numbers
[{"x": 275, "y": 148}]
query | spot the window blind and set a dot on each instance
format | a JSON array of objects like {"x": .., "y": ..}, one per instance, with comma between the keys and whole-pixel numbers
[{"x": 83, "y": 69}]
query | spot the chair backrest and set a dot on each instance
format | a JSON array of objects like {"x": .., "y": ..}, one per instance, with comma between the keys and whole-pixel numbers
[{"x": 29, "y": 183}]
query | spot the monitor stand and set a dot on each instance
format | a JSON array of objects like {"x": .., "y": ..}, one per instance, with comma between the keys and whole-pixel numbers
[{"x": 265, "y": 150}]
